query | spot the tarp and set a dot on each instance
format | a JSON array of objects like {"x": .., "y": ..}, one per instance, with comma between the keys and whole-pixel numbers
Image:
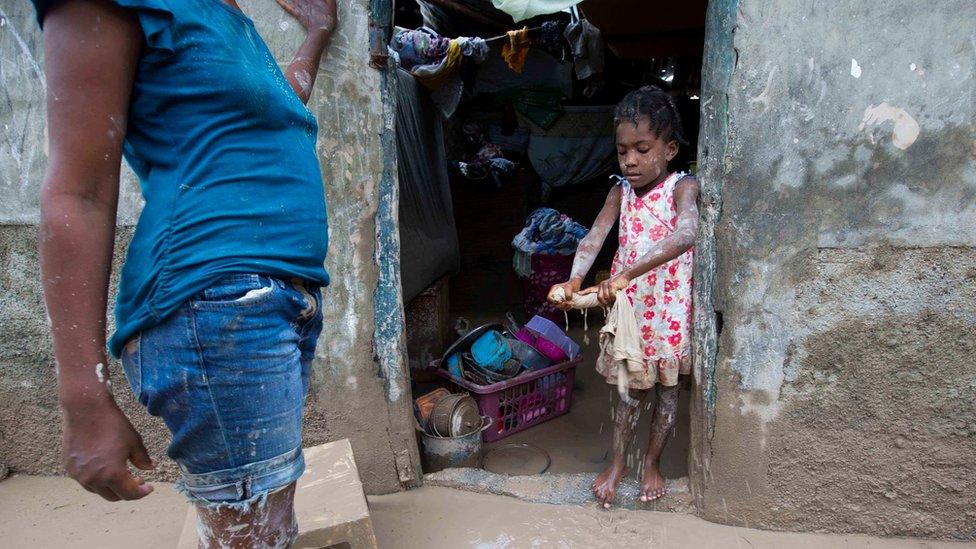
[
  {"x": 428, "y": 235},
  {"x": 520, "y": 10},
  {"x": 577, "y": 148}
]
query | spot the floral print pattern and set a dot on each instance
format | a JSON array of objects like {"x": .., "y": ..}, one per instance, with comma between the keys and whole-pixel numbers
[{"x": 662, "y": 297}]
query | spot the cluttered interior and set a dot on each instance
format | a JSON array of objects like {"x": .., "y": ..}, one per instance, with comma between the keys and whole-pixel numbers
[{"x": 506, "y": 148}]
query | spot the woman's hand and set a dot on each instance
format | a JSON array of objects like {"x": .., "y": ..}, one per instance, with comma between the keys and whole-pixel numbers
[
  {"x": 312, "y": 14},
  {"x": 567, "y": 289},
  {"x": 98, "y": 442},
  {"x": 607, "y": 290}
]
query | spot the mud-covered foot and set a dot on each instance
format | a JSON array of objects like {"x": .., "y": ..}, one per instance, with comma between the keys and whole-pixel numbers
[
  {"x": 606, "y": 483},
  {"x": 652, "y": 484}
]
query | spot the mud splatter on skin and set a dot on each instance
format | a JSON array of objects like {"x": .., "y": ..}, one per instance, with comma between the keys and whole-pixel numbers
[{"x": 266, "y": 521}]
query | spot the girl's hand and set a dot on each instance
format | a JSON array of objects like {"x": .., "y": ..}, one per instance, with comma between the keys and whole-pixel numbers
[
  {"x": 567, "y": 289},
  {"x": 607, "y": 290},
  {"x": 312, "y": 14}
]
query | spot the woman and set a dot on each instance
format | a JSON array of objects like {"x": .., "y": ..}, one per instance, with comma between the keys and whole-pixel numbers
[{"x": 218, "y": 307}]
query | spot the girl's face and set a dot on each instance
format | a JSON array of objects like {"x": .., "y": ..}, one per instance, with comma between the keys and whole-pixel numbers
[{"x": 643, "y": 156}]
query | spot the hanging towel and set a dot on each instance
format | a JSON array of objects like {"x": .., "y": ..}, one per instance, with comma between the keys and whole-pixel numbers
[
  {"x": 517, "y": 48},
  {"x": 521, "y": 10}
]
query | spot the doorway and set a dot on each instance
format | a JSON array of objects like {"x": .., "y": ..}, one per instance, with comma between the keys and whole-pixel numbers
[{"x": 488, "y": 210}]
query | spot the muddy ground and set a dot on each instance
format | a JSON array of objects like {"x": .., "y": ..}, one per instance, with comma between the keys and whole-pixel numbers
[{"x": 56, "y": 512}]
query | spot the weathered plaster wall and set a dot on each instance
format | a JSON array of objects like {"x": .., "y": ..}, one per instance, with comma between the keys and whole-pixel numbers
[
  {"x": 358, "y": 391},
  {"x": 839, "y": 157}
]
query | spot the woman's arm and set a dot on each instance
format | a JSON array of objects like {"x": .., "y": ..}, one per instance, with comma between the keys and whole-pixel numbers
[
  {"x": 319, "y": 19},
  {"x": 590, "y": 247},
  {"x": 91, "y": 49},
  {"x": 672, "y": 246}
]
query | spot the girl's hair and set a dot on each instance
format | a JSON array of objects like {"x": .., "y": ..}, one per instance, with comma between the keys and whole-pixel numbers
[{"x": 657, "y": 106}]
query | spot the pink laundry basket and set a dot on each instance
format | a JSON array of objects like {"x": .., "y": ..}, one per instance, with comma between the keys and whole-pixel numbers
[
  {"x": 525, "y": 401},
  {"x": 547, "y": 269}
]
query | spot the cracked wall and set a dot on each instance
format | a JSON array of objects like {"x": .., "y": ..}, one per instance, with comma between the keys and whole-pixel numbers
[
  {"x": 358, "y": 391},
  {"x": 839, "y": 156}
]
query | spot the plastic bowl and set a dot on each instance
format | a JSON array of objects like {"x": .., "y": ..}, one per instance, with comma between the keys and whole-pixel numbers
[{"x": 528, "y": 355}]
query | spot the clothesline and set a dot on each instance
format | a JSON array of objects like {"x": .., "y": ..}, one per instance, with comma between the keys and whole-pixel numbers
[{"x": 505, "y": 36}]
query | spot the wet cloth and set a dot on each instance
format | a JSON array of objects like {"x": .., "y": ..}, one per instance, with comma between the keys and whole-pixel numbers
[
  {"x": 225, "y": 154},
  {"x": 586, "y": 46},
  {"x": 661, "y": 299},
  {"x": 228, "y": 373},
  {"x": 620, "y": 338},
  {"x": 516, "y": 48},
  {"x": 527, "y": 9}
]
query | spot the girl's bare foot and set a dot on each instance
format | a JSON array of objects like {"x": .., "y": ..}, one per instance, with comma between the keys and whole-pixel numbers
[
  {"x": 652, "y": 485},
  {"x": 605, "y": 485}
]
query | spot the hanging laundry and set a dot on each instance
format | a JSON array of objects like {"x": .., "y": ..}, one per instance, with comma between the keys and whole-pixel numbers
[
  {"x": 419, "y": 47},
  {"x": 549, "y": 39},
  {"x": 436, "y": 75},
  {"x": 517, "y": 48},
  {"x": 434, "y": 61},
  {"x": 586, "y": 46},
  {"x": 521, "y": 10}
]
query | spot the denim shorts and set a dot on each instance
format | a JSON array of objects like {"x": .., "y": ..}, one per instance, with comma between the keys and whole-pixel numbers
[{"x": 228, "y": 373}]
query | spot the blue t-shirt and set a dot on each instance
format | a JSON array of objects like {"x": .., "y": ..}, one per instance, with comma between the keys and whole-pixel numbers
[{"x": 225, "y": 154}]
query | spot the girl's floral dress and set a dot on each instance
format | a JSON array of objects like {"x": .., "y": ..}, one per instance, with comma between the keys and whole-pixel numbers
[{"x": 662, "y": 297}]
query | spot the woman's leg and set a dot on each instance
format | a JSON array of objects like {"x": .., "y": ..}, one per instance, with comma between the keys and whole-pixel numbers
[
  {"x": 652, "y": 482},
  {"x": 267, "y": 523},
  {"x": 228, "y": 374},
  {"x": 624, "y": 420}
]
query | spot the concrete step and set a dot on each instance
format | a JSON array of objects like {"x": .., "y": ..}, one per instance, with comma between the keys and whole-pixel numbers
[{"x": 329, "y": 503}]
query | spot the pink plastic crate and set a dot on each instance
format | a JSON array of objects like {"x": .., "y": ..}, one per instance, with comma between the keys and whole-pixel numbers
[{"x": 522, "y": 402}]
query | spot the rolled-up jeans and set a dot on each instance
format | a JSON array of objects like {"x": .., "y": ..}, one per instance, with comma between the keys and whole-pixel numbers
[{"x": 228, "y": 373}]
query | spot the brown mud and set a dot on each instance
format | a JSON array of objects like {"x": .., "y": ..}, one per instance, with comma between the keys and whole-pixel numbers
[{"x": 56, "y": 512}]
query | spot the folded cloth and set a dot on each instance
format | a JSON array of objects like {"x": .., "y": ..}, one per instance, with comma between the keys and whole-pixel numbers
[{"x": 517, "y": 48}]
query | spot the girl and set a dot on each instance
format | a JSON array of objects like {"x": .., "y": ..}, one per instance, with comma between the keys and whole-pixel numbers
[
  {"x": 653, "y": 266},
  {"x": 220, "y": 296}
]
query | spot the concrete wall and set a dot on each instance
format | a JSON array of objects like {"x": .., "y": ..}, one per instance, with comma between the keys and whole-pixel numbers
[
  {"x": 839, "y": 175},
  {"x": 359, "y": 390}
]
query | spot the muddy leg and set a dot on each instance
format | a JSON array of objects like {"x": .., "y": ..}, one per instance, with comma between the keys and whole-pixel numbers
[
  {"x": 266, "y": 523},
  {"x": 624, "y": 421},
  {"x": 652, "y": 482}
]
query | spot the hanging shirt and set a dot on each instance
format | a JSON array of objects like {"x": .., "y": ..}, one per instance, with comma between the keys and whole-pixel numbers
[{"x": 225, "y": 154}]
